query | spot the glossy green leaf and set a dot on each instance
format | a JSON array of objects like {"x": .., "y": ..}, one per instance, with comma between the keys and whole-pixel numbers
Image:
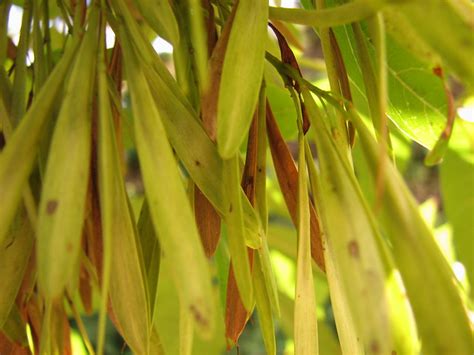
[
  {"x": 452, "y": 30},
  {"x": 417, "y": 102},
  {"x": 241, "y": 75}
]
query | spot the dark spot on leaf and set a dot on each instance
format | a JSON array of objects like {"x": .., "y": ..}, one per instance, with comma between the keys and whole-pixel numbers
[
  {"x": 2, "y": 140},
  {"x": 69, "y": 247},
  {"x": 51, "y": 206},
  {"x": 197, "y": 162},
  {"x": 260, "y": 169},
  {"x": 230, "y": 208},
  {"x": 438, "y": 71},
  {"x": 374, "y": 347},
  {"x": 198, "y": 317},
  {"x": 353, "y": 248},
  {"x": 9, "y": 244},
  {"x": 394, "y": 352}
]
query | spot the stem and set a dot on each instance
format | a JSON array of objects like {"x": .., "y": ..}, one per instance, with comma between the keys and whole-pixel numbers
[
  {"x": 375, "y": 82},
  {"x": 340, "y": 15},
  {"x": 338, "y": 124},
  {"x": 18, "y": 103}
]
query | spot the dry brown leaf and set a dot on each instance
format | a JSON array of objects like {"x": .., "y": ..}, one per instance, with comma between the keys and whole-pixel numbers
[{"x": 287, "y": 175}]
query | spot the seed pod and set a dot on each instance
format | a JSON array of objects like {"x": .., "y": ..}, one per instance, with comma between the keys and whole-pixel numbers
[
  {"x": 14, "y": 256},
  {"x": 173, "y": 219},
  {"x": 24, "y": 142},
  {"x": 440, "y": 314},
  {"x": 305, "y": 325},
  {"x": 61, "y": 211},
  {"x": 242, "y": 73},
  {"x": 357, "y": 269},
  {"x": 160, "y": 17},
  {"x": 190, "y": 141},
  {"x": 122, "y": 277}
]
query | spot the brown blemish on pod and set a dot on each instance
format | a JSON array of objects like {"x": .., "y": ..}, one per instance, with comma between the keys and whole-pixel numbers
[
  {"x": 374, "y": 347},
  {"x": 51, "y": 206},
  {"x": 353, "y": 248},
  {"x": 198, "y": 317}
]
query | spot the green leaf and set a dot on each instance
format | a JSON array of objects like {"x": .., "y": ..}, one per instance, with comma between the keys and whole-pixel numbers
[
  {"x": 160, "y": 17},
  {"x": 151, "y": 251},
  {"x": 440, "y": 314},
  {"x": 186, "y": 134},
  {"x": 235, "y": 233},
  {"x": 172, "y": 218},
  {"x": 446, "y": 26},
  {"x": 24, "y": 142},
  {"x": 241, "y": 75},
  {"x": 417, "y": 101},
  {"x": 306, "y": 329},
  {"x": 62, "y": 205},
  {"x": 264, "y": 308},
  {"x": 122, "y": 277},
  {"x": 14, "y": 255},
  {"x": 351, "y": 242},
  {"x": 457, "y": 176}
]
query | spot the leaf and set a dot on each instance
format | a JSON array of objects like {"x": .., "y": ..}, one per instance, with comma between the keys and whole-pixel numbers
[
  {"x": 428, "y": 279},
  {"x": 453, "y": 30},
  {"x": 236, "y": 315},
  {"x": 305, "y": 324},
  {"x": 457, "y": 173},
  {"x": 208, "y": 222},
  {"x": 193, "y": 146},
  {"x": 151, "y": 251},
  {"x": 357, "y": 271},
  {"x": 167, "y": 319},
  {"x": 264, "y": 309},
  {"x": 20, "y": 88},
  {"x": 24, "y": 142},
  {"x": 287, "y": 178},
  {"x": 14, "y": 255},
  {"x": 171, "y": 218},
  {"x": 160, "y": 17},
  {"x": 15, "y": 327},
  {"x": 122, "y": 277},
  {"x": 417, "y": 102},
  {"x": 340, "y": 15},
  {"x": 235, "y": 232},
  {"x": 199, "y": 154},
  {"x": 238, "y": 92},
  {"x": 61, "y": 210}
]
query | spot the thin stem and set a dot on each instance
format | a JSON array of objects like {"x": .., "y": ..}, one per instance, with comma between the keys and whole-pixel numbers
[
  {"x": 338, "y": 123},
  {"x": 336, "y": 16},
  {"x": 80, "y": 325}
]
